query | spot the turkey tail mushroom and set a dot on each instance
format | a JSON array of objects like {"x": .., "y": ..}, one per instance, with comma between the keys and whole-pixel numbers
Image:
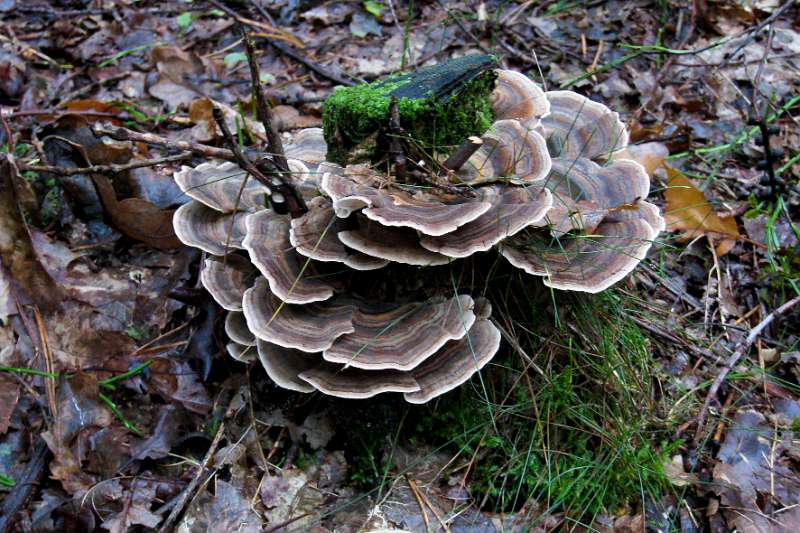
[
  {"x": 587, "y": 264},
  {"x": 208, "y": 229},
  {"x": 308, "y": 328},
  {"x": 578, "y": 127},
  {"x": 315, "y": 235},
  {"x": 217, "y": 185},
  {"x": 455, "y": 363},
  {"x": 358, "y": 384},
  {"x": 289, "y": 279},
  {"x": 226, "y": 279},
  {"x": 517, "y": 97},
  {"x": 398, "y": 245},
  {"x": 512, "y": 210},
  {"x": 236, "y": 329},
  {"x": 542, "y": 188},
  {"x": 284, "y": 365},
  {"x": 402, "y": 337},
  {"x": 509, "y": 151},
  {"x": 399, "y": 208},
  {"x": 240, "y": 352}
]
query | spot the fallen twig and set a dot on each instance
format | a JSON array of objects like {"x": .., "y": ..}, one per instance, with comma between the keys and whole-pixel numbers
[
  {"x": 124, "y": 134},
  {"x": 189, "y": 491},
  {"x": 305, "y": 61},
  {"x": 106, "y": 169},
  {"x": 264, "y": 111},
  {"x": 273, "y": 31},
  {"x": 282, "y": 193},
  {"x": 25, "y": 485},
  {"x": 733, "y": 359},
  {"x": 754, "y": 31},
  {"x": 462, "y": 153},
  {"x": 457, "y": 19}
]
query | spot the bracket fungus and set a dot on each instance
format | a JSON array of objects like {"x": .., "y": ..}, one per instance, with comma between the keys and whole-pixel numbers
[{"x": 344, "y": 298}]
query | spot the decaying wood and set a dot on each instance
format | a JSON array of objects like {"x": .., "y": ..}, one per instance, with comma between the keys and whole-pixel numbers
[
  {"x": 462, "y": 153},
  {"x": 396, "y": 151}
]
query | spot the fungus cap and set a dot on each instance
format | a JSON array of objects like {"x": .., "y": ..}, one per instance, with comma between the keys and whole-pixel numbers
[
  {"x": 511, "y": 151},
  {"x": 287, "y": 272},
  {"x": 214, "y": 232},
  {"x": 226, "y": 279},
  {"x": 401, "y": 337},
  {"x": 578, "y": 127},
  {"x": 517, "y": 97}
]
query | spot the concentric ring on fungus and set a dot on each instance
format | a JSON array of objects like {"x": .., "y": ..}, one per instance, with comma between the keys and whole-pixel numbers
[{"x": 345, "y": 299}]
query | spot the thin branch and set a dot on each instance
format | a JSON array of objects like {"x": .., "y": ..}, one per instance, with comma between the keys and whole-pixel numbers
[
  {"x": 282, "y": 193},
  {"x": 396, "y": 152},
  {"x": 123, "y": 134},
  {"x": 462, "y": 153},
  {"x": 189, "y": 491},
  {"x": 106, "y": 169},
  {"x": 315, "y": 67},
  {"x": 734, "y": 358},
  {"x": 457, "y": 19},
  {"x": 264, "y": 111},
  {"x": 285, "y": 50},
  {"x": 753, "y": 31}
]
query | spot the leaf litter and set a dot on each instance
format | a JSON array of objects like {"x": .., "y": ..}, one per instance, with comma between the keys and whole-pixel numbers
[{"x": 92, "y": 255}]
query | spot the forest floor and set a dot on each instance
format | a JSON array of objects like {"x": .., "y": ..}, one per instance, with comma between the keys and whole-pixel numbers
[{"x": 668, "y": 403}]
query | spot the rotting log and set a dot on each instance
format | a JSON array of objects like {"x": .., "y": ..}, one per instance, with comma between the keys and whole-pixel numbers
[{"x": 439, "y": 107}]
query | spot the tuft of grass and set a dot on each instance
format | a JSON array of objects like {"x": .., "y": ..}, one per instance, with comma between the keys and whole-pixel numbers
[
  {"x": 566, "y": 420},
  {"x": 783, "y": 263},
  {"x": 572, "y": 427}
]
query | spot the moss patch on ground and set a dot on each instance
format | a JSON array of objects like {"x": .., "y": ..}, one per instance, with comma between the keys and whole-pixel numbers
[{"x": 439, "y": 107}]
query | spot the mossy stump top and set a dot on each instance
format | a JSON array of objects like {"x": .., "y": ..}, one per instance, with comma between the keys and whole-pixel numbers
[{"x": 439, "y": 106}]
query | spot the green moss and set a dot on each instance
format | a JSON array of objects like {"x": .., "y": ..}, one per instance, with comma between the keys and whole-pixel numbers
[{"x": 436, "y": 114}]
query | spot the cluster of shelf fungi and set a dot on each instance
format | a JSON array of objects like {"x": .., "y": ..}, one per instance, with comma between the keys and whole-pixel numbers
[{"x": 353, "y": 298}]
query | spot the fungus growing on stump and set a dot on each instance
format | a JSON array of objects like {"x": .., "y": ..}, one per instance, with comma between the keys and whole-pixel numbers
[{"x": 355, "y": 296}]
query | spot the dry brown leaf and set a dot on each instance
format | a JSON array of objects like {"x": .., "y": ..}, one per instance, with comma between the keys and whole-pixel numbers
[
  {"x": 16, "y": 253},
  {"x": 206, "y": 129},
  {"x": 80, "y": 106},
  {"x": 229, "y": 509},
  {"x": 175, "y": 380},
  {"x": 688, "y": 211},
  {"x": 289, "y": 118},
  {"x": 80, "y": 414},
  {"x": 137, "y": 218},
  {"x": 650, "y": 155},
  {"x": 9, "y": 395},
  {"x": 753, "y": 468},
  {"x": 135, "y": 510}
]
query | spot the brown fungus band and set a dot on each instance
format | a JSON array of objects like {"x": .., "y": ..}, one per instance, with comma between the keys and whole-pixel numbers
[{"x": 341, "y": 299}]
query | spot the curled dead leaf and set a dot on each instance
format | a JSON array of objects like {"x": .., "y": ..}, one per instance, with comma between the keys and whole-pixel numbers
[
  {"x": 206, "y": 129},
  {"x": 137, "y": 218},
  {"x": 16, "y": 253},
  {"x": 688, "y": 211},
  {"x": 80, "y": 413}
]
